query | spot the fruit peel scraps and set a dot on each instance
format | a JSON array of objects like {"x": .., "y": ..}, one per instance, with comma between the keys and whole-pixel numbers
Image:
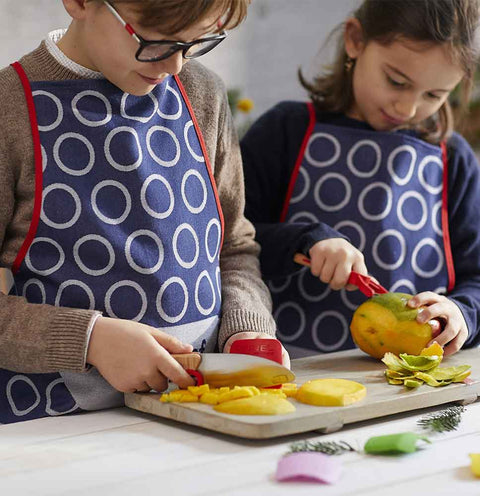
[{"x": 412, "y": 371}]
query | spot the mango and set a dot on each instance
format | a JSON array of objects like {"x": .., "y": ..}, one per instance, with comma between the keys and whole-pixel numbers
[
  {"x": 331, "y": 392},
  {"x": 384, "y": 323},
  {"x": 262, "y": 404}
]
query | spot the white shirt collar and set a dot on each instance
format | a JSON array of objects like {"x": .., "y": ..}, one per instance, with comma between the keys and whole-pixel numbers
[{"x": 51, "y": 43}]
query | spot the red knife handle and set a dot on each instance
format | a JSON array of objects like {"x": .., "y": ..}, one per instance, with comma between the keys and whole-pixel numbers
[
  {"x": 190, "y": 362},
  {"x": 196, "y": 375}
]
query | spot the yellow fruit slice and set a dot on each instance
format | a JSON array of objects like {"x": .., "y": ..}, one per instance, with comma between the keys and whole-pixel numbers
[
  {"x": 199, "y": 390},
  {"x": 235, "y": 394},
  {"x": 179, "y": 396},
  {"x": 289, "y": 389},
  {"x": 433, "y": 350},
  {"x": 475, "y": 464},
  {"x": 262, "y": 404},
  {"x": 209, "y": 398},
  {"x": 331, "y": 392}
]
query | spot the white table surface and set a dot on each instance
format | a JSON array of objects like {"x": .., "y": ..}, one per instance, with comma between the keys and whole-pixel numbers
[{"x": 124, "y": 452}]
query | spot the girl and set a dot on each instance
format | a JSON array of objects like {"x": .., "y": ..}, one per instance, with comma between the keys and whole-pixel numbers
[{"x": 370, "y": 175}]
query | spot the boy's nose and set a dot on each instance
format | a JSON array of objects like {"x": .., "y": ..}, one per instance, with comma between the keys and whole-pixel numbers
[{"x": 173, "y": 65}]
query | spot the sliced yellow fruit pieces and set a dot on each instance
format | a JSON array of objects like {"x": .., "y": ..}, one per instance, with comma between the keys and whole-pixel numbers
[
  {"x": 263, "y": 404},
  {"x": 331, "y": 392}
]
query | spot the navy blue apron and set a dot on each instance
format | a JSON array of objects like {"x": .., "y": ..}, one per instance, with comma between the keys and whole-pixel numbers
[
  {"x": 386, "y": 191},
  {"x": 127, "y": 221}
]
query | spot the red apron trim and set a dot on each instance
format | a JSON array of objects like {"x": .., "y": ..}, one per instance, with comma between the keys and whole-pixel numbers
[
  {"x": 445, "y": 227},
  {"x": 38, "y": 167},
  {"x": 205, "y": 154},
  {"x": 296, "y": 169}
]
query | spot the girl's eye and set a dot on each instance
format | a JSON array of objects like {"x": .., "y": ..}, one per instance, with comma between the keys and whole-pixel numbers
[
  {"x": 395, "y": 83},
  {"x": 432, "y": 96}
]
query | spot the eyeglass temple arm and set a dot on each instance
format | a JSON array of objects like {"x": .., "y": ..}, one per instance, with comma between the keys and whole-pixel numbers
[{"x": 124, "y": 24}]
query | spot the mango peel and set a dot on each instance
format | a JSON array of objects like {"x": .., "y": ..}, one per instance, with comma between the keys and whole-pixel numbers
[
  {"x": 413, "y": 371},
  {"x": 384, "y": 323}
]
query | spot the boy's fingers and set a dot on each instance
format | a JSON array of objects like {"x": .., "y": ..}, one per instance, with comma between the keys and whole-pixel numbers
[
  {"x": 171, "y": 343},
  {"x": 172, "y": 370},
  {"x": 158, "y": 382}
]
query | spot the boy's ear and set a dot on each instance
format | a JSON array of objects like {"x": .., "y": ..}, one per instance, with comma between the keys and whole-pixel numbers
[
  {"x": 76, "y": 8},
  {"x": 353, "y": 37}
]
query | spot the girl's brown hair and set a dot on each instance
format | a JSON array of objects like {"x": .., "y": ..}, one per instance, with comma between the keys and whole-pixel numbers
[
  {"x": 453, "y": 23},
  {"x": 172, "y": 16}
]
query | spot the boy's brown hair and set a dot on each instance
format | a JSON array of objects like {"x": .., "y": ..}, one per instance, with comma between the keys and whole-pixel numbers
[
  {"x": 454, "y": 23},
  {"x": 172, "y": 16}
]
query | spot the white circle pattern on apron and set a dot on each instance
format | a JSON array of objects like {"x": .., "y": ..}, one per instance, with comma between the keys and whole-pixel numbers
[
  {"x": 106, "y": 239},
  {"x": 383, "y": 190}
]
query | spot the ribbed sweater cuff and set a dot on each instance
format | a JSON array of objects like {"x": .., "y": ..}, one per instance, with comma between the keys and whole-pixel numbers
[
  {"x": 68, "y": 339},
  {"x": 243, "y": 321}
]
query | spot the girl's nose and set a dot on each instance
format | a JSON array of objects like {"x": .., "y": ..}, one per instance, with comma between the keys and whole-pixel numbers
[
  {"x": 173, "y": 65},
  {"x": 405, "y": 108}
]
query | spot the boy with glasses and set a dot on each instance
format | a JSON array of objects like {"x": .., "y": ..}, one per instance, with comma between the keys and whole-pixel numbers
[{"x": 122, "y": 208}]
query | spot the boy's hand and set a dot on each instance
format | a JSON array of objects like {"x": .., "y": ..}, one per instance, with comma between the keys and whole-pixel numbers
[
  {"x": 333, "y": 259},
  {"x": 447, "y": 320},
  {"x": 136, "y": 357},
  {"x": 255, "y": 335}
]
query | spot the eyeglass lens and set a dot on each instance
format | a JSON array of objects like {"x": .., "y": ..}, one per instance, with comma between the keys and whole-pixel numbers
[{"x": 158, "y": 51}]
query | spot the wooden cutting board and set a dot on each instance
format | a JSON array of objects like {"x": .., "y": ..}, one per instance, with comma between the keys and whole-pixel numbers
[{"x": 382, "y": 398}]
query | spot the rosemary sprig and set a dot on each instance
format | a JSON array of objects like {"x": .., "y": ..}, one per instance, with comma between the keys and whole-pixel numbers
[
  {"x": 327, "y": 447},
  {"x": 443, "y": 421}
]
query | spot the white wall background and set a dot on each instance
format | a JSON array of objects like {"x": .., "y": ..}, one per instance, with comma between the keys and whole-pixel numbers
[{"x": 261, "y": 57}]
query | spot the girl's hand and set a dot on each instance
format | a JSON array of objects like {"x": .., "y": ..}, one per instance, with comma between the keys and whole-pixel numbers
[
  {"x": 333, "y": 259},
  {"x": 136, "y": 357},
  {"x": 255, "y": 335},
  {"x": 447, "y": 319}
]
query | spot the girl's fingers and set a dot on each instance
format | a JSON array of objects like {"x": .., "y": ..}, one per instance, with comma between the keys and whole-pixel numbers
[
  {"x": 450, "y": 333},
  {"x": 436, "y": 328},
  {"x": 327, "y": 273},
  {"x": 340, "y": 276},
  {"x": 317, "y": 265},
  {"x": 435, "y": 311},
  {"x": 425, "y": 298},
  {"x": 455, "y": 344}
]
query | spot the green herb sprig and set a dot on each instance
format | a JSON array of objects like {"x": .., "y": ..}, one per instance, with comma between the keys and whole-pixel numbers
[
  {"x": 443, "y": 421},
  {"x": 327, "y": 447}
]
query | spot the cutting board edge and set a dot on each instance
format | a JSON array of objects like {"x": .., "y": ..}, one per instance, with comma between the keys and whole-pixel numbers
[{"x": 330, "y": 421}]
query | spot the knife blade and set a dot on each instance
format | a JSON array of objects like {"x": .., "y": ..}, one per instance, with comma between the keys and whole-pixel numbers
[{"x": 225, "y": 369}]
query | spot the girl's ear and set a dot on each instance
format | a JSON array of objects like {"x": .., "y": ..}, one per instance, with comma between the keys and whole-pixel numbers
[{"x": 353, "y": 37}]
